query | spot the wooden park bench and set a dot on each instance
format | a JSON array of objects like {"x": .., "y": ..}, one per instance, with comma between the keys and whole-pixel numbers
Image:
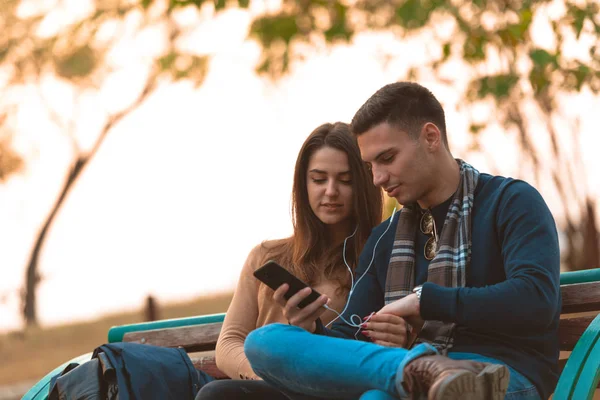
[{"x": 579, "y": 334}]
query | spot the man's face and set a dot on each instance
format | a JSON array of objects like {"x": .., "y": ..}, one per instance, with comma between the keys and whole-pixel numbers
[{"x": 398, "y": 162}]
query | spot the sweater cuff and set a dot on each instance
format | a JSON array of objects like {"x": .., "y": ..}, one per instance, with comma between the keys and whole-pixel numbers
[{"x": 439, "y": 303}]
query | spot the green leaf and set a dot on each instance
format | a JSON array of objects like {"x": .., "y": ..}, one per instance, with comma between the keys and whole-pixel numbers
[
  {"x": 581, "y": 73},
  {"x": 476, "y": 128},
  {"x": 541, "y": 58},
  {"x": 79, "y": 64},
  {"x": 413, "y": 74},
  {"x": 525, "y": 18},
  {"x": 498, "y": 86},
  {"x": 446, "y": 51},
  {"x": 579, "y": 16},
  {"x": 268, "y": 29},
  {"x": 517, "y": 32},
  {"x": 512, "y": 35},
  {"x": 195, "y": 71},
  {"x": 539, "y": 80},
  {"x": 183, "y": 3},
  {"x": 414, "y": 14},
  {"x": 337, "y": 31},
  {"x": 220, "y": 4},
  {"x": 147, "y": 3},
  {"x": 264, "y": 66},
  {"x": 474, "y": 47},
  {"x": 339, "y": 28},
  {"x": 166, "y": 62},
  {"x": 243, "y": 3}
]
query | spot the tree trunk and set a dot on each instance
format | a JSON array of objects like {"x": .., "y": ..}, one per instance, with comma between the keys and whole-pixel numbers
[
  {"x": 591, "y": 245},
  {"x": 32, "y": 276}
]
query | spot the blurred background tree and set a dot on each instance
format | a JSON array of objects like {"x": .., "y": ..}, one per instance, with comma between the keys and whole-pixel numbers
[
  {"x": 78, "y": 55},
  {"x": 10, "y": 161},
  {"x": 519, "y": 77},
  {"x": 513, "y": 76}
]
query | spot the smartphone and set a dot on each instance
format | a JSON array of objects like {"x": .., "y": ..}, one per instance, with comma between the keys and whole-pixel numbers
[{"x": 274, "y": 275}]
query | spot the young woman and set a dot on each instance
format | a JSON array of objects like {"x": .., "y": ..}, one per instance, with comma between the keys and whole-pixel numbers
[{"x": 334, "y": 207}]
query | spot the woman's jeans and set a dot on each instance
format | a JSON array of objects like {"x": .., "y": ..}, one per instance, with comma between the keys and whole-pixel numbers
[{"x": 297, "y": 361}]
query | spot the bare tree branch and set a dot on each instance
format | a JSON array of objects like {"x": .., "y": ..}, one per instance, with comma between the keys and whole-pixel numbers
[{"x": 32, "y": 275}]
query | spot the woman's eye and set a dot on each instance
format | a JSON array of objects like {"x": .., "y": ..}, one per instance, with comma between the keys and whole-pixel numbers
[
  {"x": 387, "y": 158},
  {"x": 346, "y": 181},
  {"x": 318, "y": 180}
]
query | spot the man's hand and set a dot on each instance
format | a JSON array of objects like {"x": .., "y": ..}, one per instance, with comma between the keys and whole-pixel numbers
[
  {"x": 387, "y": 330},
  {"x": 303, "y": 317},
  {"x": 407, "y": 308}
]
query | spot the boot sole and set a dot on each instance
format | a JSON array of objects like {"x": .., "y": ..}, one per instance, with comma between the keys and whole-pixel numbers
[{"x": 491, "y": 383}]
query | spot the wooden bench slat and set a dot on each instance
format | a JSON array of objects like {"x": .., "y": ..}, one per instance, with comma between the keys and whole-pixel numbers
[
  {"x": 191, "y": 338},
  {"x": 571, "y": 329},
  {"x": 205, "y": 361},
  {"x": 580, "y": 297}
]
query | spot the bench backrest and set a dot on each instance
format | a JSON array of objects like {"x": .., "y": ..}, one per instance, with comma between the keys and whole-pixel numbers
[{"x": 577, "y": 298}]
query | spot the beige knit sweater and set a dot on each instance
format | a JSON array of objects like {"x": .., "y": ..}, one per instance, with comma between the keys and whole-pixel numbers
[{"x": 252, "y": 307}]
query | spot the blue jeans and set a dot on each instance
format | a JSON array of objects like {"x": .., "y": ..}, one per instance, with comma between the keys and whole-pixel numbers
[{"x": 297, "y": 361}]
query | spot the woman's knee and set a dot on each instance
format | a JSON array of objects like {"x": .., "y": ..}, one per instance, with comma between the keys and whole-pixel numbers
[
  {"x": 263, "y": 338},
  {"x": 237, "y": 389}
]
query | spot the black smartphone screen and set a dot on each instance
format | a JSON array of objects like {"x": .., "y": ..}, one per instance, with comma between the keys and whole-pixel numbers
[{"x": 274, "y": 275}]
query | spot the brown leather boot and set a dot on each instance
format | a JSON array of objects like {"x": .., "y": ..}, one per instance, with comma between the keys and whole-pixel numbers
[{"x": 441, "y": 378}]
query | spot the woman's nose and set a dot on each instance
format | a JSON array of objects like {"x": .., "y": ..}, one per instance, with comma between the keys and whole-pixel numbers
[{"x": 332, "y": 189}]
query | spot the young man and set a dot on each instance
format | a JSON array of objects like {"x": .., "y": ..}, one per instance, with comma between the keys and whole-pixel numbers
[{"x": 468, "y": 270}]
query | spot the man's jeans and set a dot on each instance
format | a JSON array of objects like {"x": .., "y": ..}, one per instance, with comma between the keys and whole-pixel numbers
[{"x": 297, "y": 361}]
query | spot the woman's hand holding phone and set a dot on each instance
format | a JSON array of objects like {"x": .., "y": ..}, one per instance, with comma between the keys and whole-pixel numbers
[
  {"x": 301, "y": 304},
  {"x": 302, "y": 317}
]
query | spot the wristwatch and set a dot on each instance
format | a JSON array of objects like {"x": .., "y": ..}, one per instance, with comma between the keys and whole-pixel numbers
[{"x": 417, "y": 290}]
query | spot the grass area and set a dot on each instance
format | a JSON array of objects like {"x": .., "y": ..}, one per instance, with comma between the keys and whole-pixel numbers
[{"x": 32, "y": 354}]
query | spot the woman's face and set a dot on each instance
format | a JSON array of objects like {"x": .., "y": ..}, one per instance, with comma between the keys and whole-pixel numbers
[{"x": 329, "y": 186}]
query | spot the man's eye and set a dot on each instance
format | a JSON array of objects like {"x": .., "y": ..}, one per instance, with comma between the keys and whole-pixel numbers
[{"x": 387, "y": 159}]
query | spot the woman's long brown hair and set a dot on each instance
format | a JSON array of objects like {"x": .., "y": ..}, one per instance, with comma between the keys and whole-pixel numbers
[{"x": 308, "y": 253}]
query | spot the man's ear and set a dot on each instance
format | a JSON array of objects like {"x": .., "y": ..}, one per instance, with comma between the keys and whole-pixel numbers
[{"x": 432, "y": 136}]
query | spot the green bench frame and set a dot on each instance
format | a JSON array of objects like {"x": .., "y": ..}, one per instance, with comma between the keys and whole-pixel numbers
[{"x": 578, "y": 380}]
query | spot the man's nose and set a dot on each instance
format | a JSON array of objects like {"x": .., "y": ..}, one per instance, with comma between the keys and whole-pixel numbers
[{"x": 380, "y": 177}]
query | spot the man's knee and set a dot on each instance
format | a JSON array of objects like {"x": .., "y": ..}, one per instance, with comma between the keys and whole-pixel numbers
[{"x": 376, "y": 395}]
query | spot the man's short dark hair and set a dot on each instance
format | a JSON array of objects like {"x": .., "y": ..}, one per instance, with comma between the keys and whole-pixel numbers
[{"x": 406, "y": 105}]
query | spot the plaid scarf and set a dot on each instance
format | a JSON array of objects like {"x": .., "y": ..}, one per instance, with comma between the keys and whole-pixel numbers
[{"x": 448, "y": 267}]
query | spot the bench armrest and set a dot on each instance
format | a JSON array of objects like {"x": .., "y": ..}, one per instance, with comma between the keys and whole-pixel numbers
[{"x": 580, "y": 377}]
